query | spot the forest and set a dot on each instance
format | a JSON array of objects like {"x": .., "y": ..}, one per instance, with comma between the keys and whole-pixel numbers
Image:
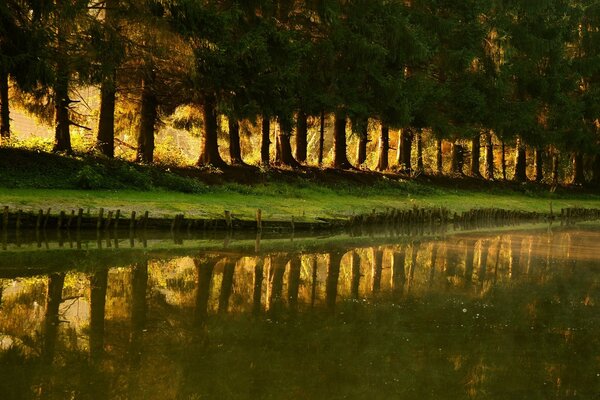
[{"x": 478, "y": 85}]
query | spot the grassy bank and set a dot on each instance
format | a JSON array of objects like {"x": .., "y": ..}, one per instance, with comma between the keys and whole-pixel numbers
[{"x": 31, "y": 181}]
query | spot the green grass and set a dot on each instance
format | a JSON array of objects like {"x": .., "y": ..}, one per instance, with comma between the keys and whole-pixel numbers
[{"x": 282, "y": 200}]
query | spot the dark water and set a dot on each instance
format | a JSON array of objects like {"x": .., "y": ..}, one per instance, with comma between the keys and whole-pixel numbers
[{"x": 511, "y": 314}]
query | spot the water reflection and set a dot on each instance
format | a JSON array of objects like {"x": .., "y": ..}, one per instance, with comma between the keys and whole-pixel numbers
[{"x": 423, "y": 318}]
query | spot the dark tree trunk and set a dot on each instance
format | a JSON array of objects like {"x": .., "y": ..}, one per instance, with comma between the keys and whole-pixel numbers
[
  {"x": 340, "y": 158},
  {"x": 596, "y": 170},
  {"x": 384, "y": 149},
  {"x": 489, "y": 156},
  {"x": 106, "y": 124},
  {"x": 363, "y": 140},
  {"x": 209, "y": 147},
  {"x": 355, "y": 285},
  {"x": 98, "y": 285},
  {"x": 257, "y": 292},
  {"x": 578, "y": 176},
  {"x": 204, "y": 272},
  {"x": 419, "y": 137},
  {"x": 62, "y": 134},
  {"x": 520, "y": 162},
  {"x": 276, "y": 275},
  {"x": 458, "y": 158},
  {"x": 51, "y": 320},
  {"x": 4, "y": 106},
  {"x": 503, "y": 160},
  {"x": 294, "y": 282},
  {"x": 148, "y": 117},
  {"x": 226, "y": 285},
  {"x": 475, "y": 154},
  {"x": 301, "y": 137},
  {"x": 265, "y": 143},
  {"x": 377, "y": 269},
  {"x": 555, "y": 162},
  {"x": 439, "y": 156},
  {"x": 235, "y": 149},
  {"x": 321, "y": 138},
  {"x": 284, "y": 147},
  {"x": 539, "y": 164}
]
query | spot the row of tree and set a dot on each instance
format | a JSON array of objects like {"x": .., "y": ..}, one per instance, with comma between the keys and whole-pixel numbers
[{"x": 525, "y": 72}]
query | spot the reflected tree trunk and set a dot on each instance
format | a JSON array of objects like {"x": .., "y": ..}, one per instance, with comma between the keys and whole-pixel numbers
[
  {"x": 377, "y": 269},
  {"x": 139, "y": 306},
  {"x": 413, "y": 263},
  {"x": 313, "y": 294},
  {"x": 204, "y": 273},
  {"x": 434, "y": 250},
  {"x": 257, "y": 292},
  {"x": 515, "y": 257},
  {"x": 51, "y": 320},
  {"x": 483, "y": 258},
  {"x": 355, "y": 286},
  {"x": 226, "y": 284},
  {"x": 276, "y": 274},
  {"x": 98, "y": 287},
  {"x": 469, "y": 255},
  {"x": 333, "y": 275},
  {"x": 398, "y": 270},
  {"x": 294, "y": 282}
]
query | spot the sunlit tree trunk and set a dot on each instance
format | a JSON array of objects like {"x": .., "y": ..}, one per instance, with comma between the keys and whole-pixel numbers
[
  {"x": 321, "y": 138},
  {"x": 148, "y": 117},
  {"x": 539, "y": 164},
  {"x": 363, "y": 140},
  {"x": 62, "y": 134},
  {"x": 578, "y": 176},
  {"x": 475, "y": 154},
  {"x": 235, "y": 148},
  {"x": 340, "y": 158},
  {"x": 405, "y": 139},
  {"x": 520, "y": 161},
  {"x": 301, "y": 137},
  {"x": 489, "y": 156},
  {"x": 209, "y": 147},
  {"x": 419, "y": 138},
  {"x": 384, "y": 148},
  {"x": 284, "y": 146},
  {"x": 265, "y": 144},
  {"x": 439, "y": 159},
  {"x": 4, "y": 105}
]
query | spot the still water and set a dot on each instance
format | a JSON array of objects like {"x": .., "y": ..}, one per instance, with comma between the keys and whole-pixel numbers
[{"x": 506, "y": 314}]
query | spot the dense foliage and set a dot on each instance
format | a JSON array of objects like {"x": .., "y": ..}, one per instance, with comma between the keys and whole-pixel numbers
[{"x": 511, "y": 72}]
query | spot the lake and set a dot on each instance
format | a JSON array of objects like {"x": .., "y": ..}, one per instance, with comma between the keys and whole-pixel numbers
[{"x": 507, "y": 313}]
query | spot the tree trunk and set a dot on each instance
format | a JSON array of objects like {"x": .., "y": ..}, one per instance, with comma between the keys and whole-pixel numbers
[
  {"x": 520, "y": 162},
  {"x": 106, "y": 124},
  {"x": 363, "y": 140},
  {"x": 62, "y": 134},
  {"x": 555, "y": 162},
  {"x": 340, "y": 158},
  {"x": 209, "y": 147},
  {"x": 301, "y": 137},
  {"x": 384, "y": 148},
  {"x": 284, "y": 146},
  {"x": 596, "y": 170},
  {"x": 419, "y": 137},
  {"x": 457, "y": 158},
  {"x": 56, "y": 283},
  {"x": 4, "y": 106},
  {"x": 266, "y": 141},
  {"x": 439, "y": 156},
  {"x": 475, "y": 154},
  {"x": 321, "y": 138},
  {"x": 333, "y": 275},
  {"x": 404, "y": 150},
  {"x": 148, "y": 116},
  {"x": 226, "y": 285},
  {"x": 539, "y": 164},
  {"x": 489, "y": 156},
  {"x": 503, "y": 160},
  {"x": 235, "y": 149},
  {"x": 578, "y": 176}
]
